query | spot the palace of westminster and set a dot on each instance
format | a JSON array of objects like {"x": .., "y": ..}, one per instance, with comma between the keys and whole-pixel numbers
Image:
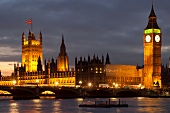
[{"x": 92, "y": 70}]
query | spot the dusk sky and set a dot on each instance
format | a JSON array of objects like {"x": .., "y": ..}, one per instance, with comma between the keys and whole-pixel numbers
[{"x": 89, "y": 27}]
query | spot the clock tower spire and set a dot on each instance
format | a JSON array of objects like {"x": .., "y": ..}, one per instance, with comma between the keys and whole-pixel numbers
[{"x": 152, "y": 52}]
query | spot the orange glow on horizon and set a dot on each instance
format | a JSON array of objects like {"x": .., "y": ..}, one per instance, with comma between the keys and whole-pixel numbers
[{"x": 7, "y": 68}]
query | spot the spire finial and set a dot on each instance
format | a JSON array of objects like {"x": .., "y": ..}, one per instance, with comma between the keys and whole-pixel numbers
[
  {"x": 152, "y": 3},
  {"x": 62, "y": 38},
  {"x": 23, "y": 33}
]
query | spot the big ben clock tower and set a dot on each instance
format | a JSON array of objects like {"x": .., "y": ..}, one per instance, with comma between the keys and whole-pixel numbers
[{"x": 152, "y": 52}]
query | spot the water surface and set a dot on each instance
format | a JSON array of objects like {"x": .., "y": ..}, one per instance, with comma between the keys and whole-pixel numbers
[{"x": 50, "y": 105}]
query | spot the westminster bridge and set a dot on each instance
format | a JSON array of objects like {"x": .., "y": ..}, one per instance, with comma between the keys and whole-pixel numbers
[{"x": 34, "y": 92}]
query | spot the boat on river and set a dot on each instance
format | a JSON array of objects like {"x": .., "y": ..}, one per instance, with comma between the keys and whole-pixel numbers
[{"x": 103, "y": 104}]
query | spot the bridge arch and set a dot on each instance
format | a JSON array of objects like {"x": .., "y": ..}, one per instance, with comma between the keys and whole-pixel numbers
[
  {"x": 60, "y": 92},
  {"x": 128, "y": 93},
  {"x": 22, "y": 92},
  {"x": 98, "y": 93},
  {"x": 66, "y": 93}
]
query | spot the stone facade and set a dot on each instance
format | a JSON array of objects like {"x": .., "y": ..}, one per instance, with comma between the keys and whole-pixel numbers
[
  {"x": 123, "y": 75},
  {"x": 56, "y": 72},
  {"x": 31, "y": 51},
  {"x": 152, "y": 41},
  {"x": 91, "y": 70}
]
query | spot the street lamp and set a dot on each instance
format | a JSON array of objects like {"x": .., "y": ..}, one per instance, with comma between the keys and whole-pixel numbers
[
  {"x": 14, "y": 82},
  {"x": 56, "y": 83},
  {"x": 116, "y": 85},
  {"x": 89, "y": 84},
  {"x": 139, "y": 86},
  {"x": 37, "y": 81},
  {"x": 113, "y": 84},
  {"x": 80, "y": 82}
]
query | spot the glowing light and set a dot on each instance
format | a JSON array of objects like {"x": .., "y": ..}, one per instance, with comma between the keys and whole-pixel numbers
[
  {"x": 89, "y": 84},
  {"x": 149, "y": 31},
  {"x": 37, "y": 81},
  {"x": 14, "y": 82},
  {"x": 37, "y": 104},
  {"x": 116, "y": 85},
  {"x": 80, "y": 82},
  {"x": 13, "y": 107},
  {"x": 47, "y": 92},
  {"x": 4, "y": 92},
  {"x": 79, "y": 99},
  {"x": 140, "y": 86},
  {"x": 56, "y": 83}
]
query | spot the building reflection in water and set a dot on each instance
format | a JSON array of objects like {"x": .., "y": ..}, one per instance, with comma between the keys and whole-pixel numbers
[
  {"x": 147, "y": 104},
  {"x": 14, "y": 107},
  {"x": 37, "y": 104},
  {"x": 57, "y": 106}
]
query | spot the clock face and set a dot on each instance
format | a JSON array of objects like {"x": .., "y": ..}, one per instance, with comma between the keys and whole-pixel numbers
[
  {"x": 148, "y": 38},
  {"x": 157, "y": 38}
]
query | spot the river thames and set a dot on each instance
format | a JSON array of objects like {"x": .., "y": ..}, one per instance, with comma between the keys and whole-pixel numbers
[{"x": 51, "y": 105}]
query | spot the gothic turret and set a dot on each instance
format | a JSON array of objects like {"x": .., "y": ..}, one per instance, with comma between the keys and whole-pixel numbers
[
  {"x": 102, "y": 59},
  {"x": 40, "y": 38},
  {"x": 62, "y": 58},
  {"x": 31, "y": 50},
  {"x": 63, "y": 47},
  {"x": 75, "y": 61},
  {"x": 107, "y": 59},
  {"x": 23, "y": 38},
  {"x": 39, "y": 66}
]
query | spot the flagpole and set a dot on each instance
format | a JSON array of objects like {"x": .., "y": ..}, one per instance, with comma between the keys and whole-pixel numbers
[{"x": 31, "y": 24}]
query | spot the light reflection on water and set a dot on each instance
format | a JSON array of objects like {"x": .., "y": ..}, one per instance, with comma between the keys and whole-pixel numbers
[
  {"x": 56, "y": 105},
  {"x": 136, "y": 105},
  {"x": 13, "y": 107}
]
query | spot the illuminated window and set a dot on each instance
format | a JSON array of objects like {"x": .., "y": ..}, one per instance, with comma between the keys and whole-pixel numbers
[{"x": 96, "y": 68}]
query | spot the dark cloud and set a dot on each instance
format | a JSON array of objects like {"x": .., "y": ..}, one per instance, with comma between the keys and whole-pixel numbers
[{"x": 89, "y": 27}]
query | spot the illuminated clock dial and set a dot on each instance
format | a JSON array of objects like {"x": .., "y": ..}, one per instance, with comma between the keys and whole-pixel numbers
[
  {"x": 157, "y": 38},
  {"x": 148, "y": 38}
]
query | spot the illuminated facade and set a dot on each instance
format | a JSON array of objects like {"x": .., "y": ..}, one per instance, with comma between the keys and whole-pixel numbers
[
  {"x": 60, "y": 79},
  {"x": 152, "y": 52},
  {"x": 94, "y": 70},
  {"x": 91, "y": 71},
  {"x": 62, "y": 61},
  {"x": 124, "y": 75},
  {"x": 31, "y": 71},
  {"x": 31, "y": 51}
]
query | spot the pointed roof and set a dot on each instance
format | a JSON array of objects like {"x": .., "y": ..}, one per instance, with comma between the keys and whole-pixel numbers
[
  {"x": 63, "y": 39},
  {"x": 29, "y": 32},
  {"x": 23, "y": 34},
  {"x": 40, "y": 34},
  {"x": 152, "y": 20},
  {"x": 152, "y": 13},
  {"x": 107, "y": 59},
  {"x": 62, "y": 47}
]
